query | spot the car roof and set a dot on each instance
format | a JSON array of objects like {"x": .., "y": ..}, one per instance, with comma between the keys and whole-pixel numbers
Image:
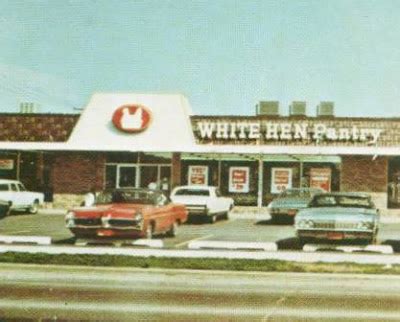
[
  {"x": 346, "y": 194},
  {"x": 9, "y": 181},
  {"x": 196, "y": 187}
]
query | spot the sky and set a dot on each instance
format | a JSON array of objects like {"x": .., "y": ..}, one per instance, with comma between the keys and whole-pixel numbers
[{"x": 224, "y": 55}]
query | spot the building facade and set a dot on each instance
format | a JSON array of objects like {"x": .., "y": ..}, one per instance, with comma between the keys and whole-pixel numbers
[{"x": 132, "y": 140}]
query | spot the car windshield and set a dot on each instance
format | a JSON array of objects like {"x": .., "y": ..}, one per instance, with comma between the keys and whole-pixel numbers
[
  {"x": 295, "y": 193},
  {"x": 192, "y": 192},
  {"x": 129, "y": 196},
  {"x": 341, "y": 201}
]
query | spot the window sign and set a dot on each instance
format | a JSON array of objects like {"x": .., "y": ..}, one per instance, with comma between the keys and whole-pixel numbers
[
  {"x": 239, "y": 179},
  {"x": 281, "y": 179},
  {"x": 198, "y": 175},
  {"x": 321, "y": 178},
  {"x": 6, "y": 164}
]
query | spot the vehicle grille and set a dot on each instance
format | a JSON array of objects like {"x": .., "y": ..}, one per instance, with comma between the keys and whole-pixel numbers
[
  {"x": 335, "y": 225},
  {"x": 88, "y": 221},
  {"x": 122, "y": 222}
]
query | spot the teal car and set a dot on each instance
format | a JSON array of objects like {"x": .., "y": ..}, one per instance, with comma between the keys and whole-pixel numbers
[
  {"x": 338, "y": 216},
  {"x": 290, "y": 201}
]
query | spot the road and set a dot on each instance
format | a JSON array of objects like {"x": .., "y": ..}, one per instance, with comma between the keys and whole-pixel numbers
[
  {"x": 235, "y": 229},
  {"x": 104, "y": 294}
]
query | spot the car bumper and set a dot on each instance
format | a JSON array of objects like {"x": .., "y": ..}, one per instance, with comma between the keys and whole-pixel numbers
[
  {"x": 285, "y": 212},
  {"x": 197, "y": 210},
  {"x": 107, "y": 232},
  {"x": 335, "y": 234}
]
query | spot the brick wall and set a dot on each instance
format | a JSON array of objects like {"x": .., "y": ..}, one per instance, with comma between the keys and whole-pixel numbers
[
  {"x": 36, "y": 127},
  {"x": 77, "y": 172},
  {"x": 362, "y": 174}
]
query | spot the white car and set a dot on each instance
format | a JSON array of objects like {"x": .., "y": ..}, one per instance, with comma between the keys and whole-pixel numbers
[
  {"x": 14, "y": 192},
  {"x": 203, "y": 201}
]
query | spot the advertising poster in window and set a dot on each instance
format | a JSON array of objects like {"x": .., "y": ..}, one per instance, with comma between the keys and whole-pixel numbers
[
  {"x": 281, "y": 179},
  {"x": 6, "y": 164},
  {"x": 321, "y": 178},
  {"x": 198, "y": 175},
  {"x": 239, "y": 179}
]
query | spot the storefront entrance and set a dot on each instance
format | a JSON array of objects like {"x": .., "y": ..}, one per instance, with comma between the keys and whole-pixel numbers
[{"x": 137, "y": 176}]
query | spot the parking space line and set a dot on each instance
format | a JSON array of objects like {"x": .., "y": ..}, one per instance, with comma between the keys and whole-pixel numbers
[{"x": 188, "y": 241}]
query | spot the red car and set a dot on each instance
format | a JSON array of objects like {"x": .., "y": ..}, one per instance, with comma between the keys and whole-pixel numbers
[{"x": 127, "y": 213}]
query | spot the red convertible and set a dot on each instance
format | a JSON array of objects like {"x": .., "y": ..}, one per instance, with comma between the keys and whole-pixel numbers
[{"x": 127, "y": 213}]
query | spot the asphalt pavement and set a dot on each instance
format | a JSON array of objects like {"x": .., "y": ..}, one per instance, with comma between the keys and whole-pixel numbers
[
  {"x": 38, "y": 293},
  {"x": 239, "y": 227}
]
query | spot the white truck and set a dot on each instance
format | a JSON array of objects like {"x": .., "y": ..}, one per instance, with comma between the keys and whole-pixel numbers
[
  {"x": 14, "y": 192},
  {"x": 205, "y": 201}
]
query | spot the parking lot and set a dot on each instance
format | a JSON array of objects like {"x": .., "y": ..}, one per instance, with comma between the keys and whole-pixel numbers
[{"x": 237, "y": 229}]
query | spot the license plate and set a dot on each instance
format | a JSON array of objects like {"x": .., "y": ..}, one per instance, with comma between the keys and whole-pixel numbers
[
  {"x": 104, "y": 232},
  {"x": 335, "y": 236},
  {"x": 292, "y": 212}
]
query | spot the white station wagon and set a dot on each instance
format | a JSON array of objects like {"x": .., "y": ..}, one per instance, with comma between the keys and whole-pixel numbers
[
  {"x": 14, "y": 192},
  {"x": 203, "y": 201}
]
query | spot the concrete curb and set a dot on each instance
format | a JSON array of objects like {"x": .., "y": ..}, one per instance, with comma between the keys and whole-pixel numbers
[
  {"x": 213, "y": 244},
  {"x": 39, "y": 240},
  {"x": 383, "y": 249},
  {"x": 303, "y": 257}
]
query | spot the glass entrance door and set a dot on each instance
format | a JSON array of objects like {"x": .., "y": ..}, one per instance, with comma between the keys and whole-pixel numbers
[{"x": 127, "y": 176}]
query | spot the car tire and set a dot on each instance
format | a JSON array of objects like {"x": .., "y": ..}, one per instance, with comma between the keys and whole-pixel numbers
[
  {"x": 212, "y": 219},
  {"x": 172, "y": 232},
  {"x": 34, "y": 208},
  {"x": 149, "y": 231},
  {"x": 225, "y": 215}
]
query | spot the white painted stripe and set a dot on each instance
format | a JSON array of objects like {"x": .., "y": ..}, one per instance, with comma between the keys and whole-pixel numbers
[
  {"x": 188, "y": 241},
  {"x": 153, "y": 243},
  {"x": 40, "y": 240},
  {"x": 298, "y": 256},
  {"x": 214, "y": 244},
  {"x": 383, "y": 249}
]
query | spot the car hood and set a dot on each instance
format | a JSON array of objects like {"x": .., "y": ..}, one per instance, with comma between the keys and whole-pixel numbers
[
  {"x": 290, "y": 203},
  {"x": 337, "y": 213},
  {"x": 190, "y": 200},
  {"x": 118, "y": 210}
]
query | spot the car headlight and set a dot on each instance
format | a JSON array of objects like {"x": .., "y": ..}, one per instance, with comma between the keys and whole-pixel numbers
[
  {"x": 105, "y": 221},
  {"x": 139, "y": 216},
  {"x": 305, "y": 223},
  {"x": 365, "y": 225},
  {"x": 70, "y": 219}
]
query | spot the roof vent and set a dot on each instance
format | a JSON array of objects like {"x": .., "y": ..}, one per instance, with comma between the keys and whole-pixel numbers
[
  {"x": 297, "y": 109},
  {"x": 326, "y": 109},
  {"x": 28, "y": 108},
  {"x": 270, "y": 108}
]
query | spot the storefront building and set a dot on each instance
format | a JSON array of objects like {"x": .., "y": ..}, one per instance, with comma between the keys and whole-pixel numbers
[{"x": 132, "y": 140}]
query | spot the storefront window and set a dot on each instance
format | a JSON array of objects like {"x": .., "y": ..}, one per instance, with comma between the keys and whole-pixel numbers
[{"x": 127, "y": 176}]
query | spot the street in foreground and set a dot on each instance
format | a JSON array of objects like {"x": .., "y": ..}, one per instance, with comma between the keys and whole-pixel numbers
[{"x": 58, "y": 293}]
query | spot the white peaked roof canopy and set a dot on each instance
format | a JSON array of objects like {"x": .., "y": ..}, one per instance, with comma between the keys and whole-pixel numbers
[{"x": 169, "y": 130}]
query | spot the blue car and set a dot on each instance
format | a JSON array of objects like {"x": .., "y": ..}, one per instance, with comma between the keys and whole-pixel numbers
[{"x": 338, "y": 216}]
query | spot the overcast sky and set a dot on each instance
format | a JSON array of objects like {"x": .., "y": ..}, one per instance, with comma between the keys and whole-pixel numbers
[{"x": 224, "y": 55}]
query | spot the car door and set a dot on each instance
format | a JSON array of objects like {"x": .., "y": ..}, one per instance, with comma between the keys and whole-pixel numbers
[
  {"x": 16, "y": 197},
  {"x": 24, "y": 195},
  {"x": 6, "y": 193},
  {"x": 162, "y": 214}
]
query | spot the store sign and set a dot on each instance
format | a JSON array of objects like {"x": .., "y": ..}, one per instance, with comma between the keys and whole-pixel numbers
[
  {"x": 198, "y": 175},
  {"x": 6, "y": 164},
  {"x": 239, "y": 179},
  {"x": 281, "y": 179},
  {"x": 132, "y": 118},
  {"x": 321, "y": 178},
  {"x": 279, "y": 131}
]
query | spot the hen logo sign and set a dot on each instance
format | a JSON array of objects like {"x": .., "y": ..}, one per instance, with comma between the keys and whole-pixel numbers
[{"x": 132, "y": 118}]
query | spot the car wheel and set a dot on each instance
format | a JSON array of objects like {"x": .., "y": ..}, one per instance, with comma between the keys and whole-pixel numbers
[
  {"x": 212, "y": 219},
  {"x": 173, "y": 230},
  {"x": 225, "y": 215},
  {"x": 34, "y": 208},
  {"x": 149, "y": 231}
]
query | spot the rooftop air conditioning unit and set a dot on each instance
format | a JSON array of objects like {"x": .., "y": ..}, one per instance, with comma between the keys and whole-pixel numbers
[
  {"x": 270, "y": 108},
  {"x": 28, "y": 107},
  {"x": 297, "y": 109},
  {"x": 326, "y": 109}
]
